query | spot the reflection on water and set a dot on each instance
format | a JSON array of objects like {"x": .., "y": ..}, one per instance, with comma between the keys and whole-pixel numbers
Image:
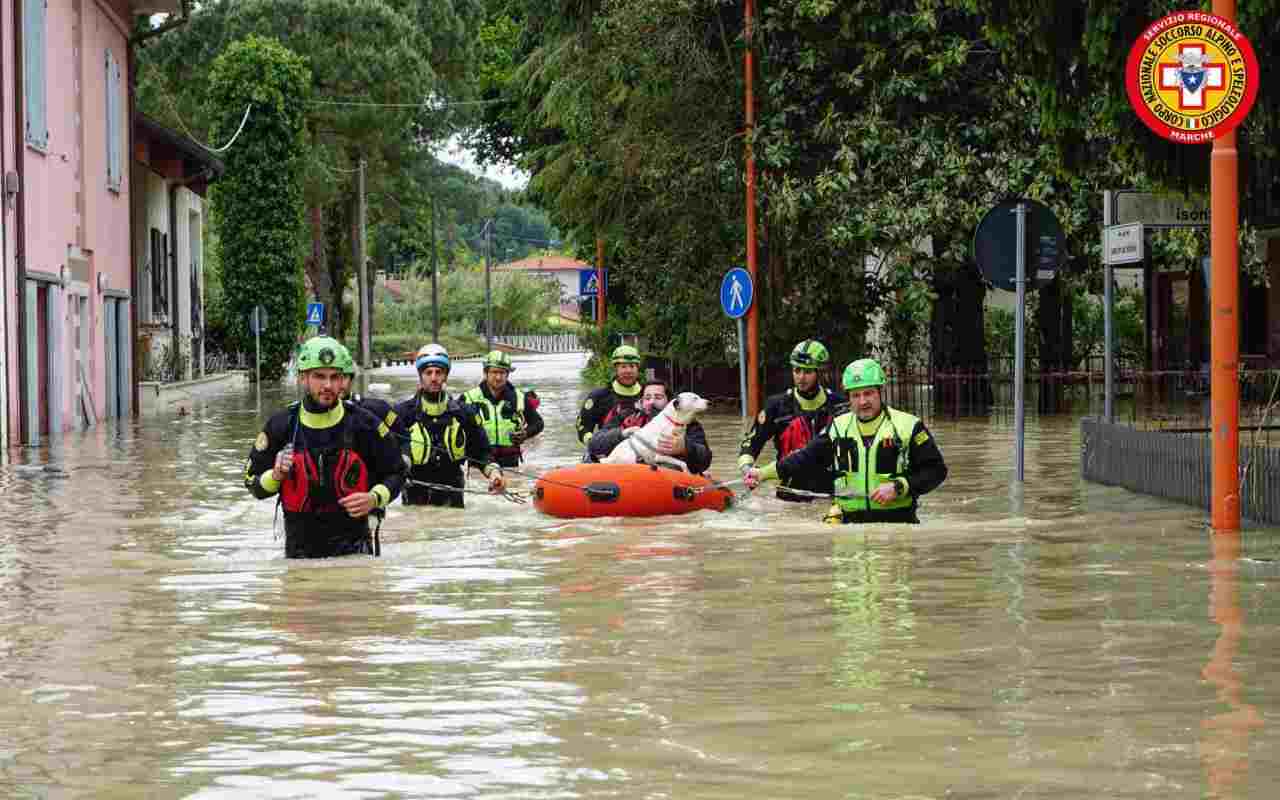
[{"x": 154, "y": 642}]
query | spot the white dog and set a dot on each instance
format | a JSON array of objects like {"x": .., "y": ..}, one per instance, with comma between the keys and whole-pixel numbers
[{"x": 641, "y": 446}]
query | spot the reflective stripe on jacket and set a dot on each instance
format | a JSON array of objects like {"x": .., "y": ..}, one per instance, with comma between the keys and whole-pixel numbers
[
  {"x": 856, "y": 465},
  {"x": 498, "y": 419}
]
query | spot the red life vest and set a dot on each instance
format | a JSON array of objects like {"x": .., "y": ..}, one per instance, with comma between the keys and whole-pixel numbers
[
  {"x": 622, "y": 407},
  {"x": 795, "y": 436},
  {"x": 320, "y": 478}
]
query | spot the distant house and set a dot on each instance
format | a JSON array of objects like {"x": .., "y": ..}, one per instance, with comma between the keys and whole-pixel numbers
[
  {"x": 66, "y": 287},
  {"x": 170, "y": 177},
  {"x": 565, "y": 271}
]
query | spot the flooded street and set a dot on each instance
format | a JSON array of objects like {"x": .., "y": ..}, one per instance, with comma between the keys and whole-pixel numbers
[{"x": 1078, "y": 641}]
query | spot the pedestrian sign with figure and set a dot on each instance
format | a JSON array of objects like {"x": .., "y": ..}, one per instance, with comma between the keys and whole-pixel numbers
[
  {"x": 736, "y": 292},
  {"x": 587, "y": 283},
  {"x": 315, "y": 314}
]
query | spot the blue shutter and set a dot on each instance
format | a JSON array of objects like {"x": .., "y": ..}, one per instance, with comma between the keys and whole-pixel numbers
[
  {"x": 115, "y": 123},
  {"x": 34, "y": 44}
]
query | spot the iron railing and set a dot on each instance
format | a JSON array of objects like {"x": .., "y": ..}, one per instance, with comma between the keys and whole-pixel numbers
[{"x": 1176, "y": 466}]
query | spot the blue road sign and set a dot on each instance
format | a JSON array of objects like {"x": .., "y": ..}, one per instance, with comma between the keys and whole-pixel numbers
[
  {"x": 315, "y": 314},
  {"x": 587, "y": 282},
  {"x": 736, "y": 292}
]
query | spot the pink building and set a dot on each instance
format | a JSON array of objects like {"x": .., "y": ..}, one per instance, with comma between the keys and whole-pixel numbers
[{"x": 67, "y": 296}]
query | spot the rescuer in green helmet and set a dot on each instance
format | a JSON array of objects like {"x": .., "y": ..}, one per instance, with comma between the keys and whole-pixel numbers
[
  {"x": 617, "y": 401},
  {"x": 792, "y": 418},
  {"x": 884, "y": 459},
  {"x": 509, "y": 415},
  {"x": 331, "y": 465}
]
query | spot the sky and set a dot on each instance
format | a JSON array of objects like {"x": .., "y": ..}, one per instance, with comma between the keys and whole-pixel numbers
[{"x": 454, "y": 153}]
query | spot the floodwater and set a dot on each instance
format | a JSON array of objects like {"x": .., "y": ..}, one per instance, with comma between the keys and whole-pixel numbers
[{"x": 1077, "y": 641}]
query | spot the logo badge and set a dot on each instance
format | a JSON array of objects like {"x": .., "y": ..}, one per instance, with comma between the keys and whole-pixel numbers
[
  {"x": 326, "y": 356},
  {"x": 1192, "y": 77}
]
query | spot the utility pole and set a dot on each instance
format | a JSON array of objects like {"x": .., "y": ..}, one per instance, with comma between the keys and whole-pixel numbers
[
  {"x": 362, "y": 277},
  {"x": 435, "y": 298},
  {"x": 753, "y": 329},
  {"x": 488, "y": 292},
  {"x": 1224, "y": 293}
]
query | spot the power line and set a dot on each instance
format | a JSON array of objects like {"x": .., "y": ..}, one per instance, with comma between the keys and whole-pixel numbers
[
  {"x": 425, "y": 104},
  {"x": 192, "y": 136}
]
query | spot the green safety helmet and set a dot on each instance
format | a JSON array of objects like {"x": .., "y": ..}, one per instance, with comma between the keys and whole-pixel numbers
[
  {"x": 862, "y": 374},
  {"x": 496, "y": 359},
  {"x": 625, "y": 354},
  {"x": 320, "y": 352},
  {"x": 810, "y": 354},
  {"x": 345, "y": 363}
]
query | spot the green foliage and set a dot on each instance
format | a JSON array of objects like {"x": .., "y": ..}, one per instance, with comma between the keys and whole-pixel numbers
[
  {"x": 521, "y": 304},
  {"x": 1087, "y": 325},
  {"x": 257, "y": 206}
]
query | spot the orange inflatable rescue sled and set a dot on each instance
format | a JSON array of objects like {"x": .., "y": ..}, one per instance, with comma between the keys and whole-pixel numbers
[{"x": 625, "y": 490}]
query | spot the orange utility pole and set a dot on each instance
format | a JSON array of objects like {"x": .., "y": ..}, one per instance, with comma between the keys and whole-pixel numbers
[
  {"x": 753, "y": 319},
  {"x": 1224, "y": 326}
]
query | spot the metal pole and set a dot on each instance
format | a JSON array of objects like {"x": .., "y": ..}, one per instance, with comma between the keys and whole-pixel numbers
[
  {"x": 1019, "y": 354},
  {"x": 1108, "y": 331},
  {"x": 257, "y": 348},
  {"x": 600, "y": 309},
  {"x": 488, "y": 291},
  {"x": 742, "y": 363},
  {"x": 435, "y": 297},
  {"x": 362, "y": 277},
  {"x": 753, "y": 330},
  {"x": 1108, "y": 348}
]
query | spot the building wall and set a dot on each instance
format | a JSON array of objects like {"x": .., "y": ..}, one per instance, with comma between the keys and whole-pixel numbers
[{"x": 74, "y": 226}]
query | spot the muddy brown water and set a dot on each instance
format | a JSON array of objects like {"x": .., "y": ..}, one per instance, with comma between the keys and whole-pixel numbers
[{"x": 1074, "y": 641}]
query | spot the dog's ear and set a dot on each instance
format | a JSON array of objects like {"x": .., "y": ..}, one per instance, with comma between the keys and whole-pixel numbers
[{"x": 676, "y": 402}]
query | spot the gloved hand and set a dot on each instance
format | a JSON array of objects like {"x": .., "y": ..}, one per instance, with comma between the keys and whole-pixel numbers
[{"x": 519, "y": 435}]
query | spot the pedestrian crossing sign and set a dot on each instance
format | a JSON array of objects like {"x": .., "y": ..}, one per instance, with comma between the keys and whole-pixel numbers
[{"x": 315, "y": 314}]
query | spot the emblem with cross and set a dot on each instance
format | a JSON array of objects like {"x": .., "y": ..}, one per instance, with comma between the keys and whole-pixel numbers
[{"x": 1193, "y": 76}]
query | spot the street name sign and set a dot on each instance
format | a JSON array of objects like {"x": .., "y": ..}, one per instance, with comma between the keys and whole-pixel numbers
[{"x": 1159, "y": 210}]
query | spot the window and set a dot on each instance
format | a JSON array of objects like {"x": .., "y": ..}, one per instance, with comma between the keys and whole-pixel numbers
[
  {"x": 159, "y": 267},
  {"x": 115, "y": 124},
  {"x": 34, "y": 54}
]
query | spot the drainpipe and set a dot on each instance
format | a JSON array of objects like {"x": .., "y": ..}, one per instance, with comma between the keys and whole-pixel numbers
[{"x": 19, "y": 224}]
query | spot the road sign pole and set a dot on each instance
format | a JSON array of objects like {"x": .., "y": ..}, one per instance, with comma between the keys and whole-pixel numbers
[
  {"x": 742, "y": 364},
  {"x": 257, "y": 349},
  {"x": 1019, "y": 372},
  {"x": 1108, "y": 302}
]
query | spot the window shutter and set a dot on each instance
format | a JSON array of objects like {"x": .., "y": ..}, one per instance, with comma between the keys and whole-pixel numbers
[
  {"x": 115, "y": 124},
  {"x": 34, "y": 55}
]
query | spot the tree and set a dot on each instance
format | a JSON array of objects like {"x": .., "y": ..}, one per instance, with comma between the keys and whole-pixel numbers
[
  {"x": 382, "y": 74},
  {"x": 257, "y": 205}
]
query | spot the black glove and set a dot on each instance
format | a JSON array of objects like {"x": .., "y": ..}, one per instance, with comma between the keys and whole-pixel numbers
[{"x": 518, "y": 436}]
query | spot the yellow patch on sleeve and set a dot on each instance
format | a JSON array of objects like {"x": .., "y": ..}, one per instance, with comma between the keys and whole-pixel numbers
[
  {"x": 261, "y": 442},
  {"x": 761, "y": 417},
  {"x": 587, "y": 405},
  {"x": 921, "y": 438}
]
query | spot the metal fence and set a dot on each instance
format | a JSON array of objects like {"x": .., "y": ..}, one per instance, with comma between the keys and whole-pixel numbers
[
  {"x": 1176, "y": 466},
  {"x": 543, "y": 343}
]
